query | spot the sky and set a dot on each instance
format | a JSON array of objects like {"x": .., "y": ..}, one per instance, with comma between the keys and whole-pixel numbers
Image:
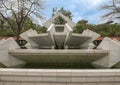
[{"x": 81, "y": 9}]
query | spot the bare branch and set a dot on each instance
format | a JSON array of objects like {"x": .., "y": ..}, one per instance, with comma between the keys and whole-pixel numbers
[
  {"x": 27, "y": 12},
  {"x": 114, "y": 8},
  {"x": 20, "y": 12},
  {"x": 5, "y": 5}
]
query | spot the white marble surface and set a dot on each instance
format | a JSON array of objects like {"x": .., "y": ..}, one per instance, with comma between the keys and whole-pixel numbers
[
  {"x": 114, "y": 53},
  {"x": 5, "y": 58},
  {"x": 59, "y": 77},
  {"x": 56, "y": 57}
]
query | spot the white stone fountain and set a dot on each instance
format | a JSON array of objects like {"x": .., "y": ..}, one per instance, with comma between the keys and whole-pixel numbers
[{"x": 60, "y": 46}]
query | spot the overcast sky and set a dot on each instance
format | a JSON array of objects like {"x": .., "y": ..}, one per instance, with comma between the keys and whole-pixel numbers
[{"x": 81, "y": 9}]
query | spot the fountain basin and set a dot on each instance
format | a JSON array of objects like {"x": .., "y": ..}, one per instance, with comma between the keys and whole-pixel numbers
[{"x": 58, "y": 57}]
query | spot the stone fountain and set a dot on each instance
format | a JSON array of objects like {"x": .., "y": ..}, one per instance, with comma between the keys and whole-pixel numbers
[{"x": 59, "y": 47}]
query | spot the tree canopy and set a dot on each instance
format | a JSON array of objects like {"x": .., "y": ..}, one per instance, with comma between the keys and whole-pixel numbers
[
  {"x": 102, "y": 29},
  {"x": 5, "y": 29},
  {"x": 106, "y": 29},
  {"x": 16, "y": 12}
]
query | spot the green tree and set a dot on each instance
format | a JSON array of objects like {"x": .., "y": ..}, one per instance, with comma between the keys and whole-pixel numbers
[
  {"x": 60, "y": 20},
  {"x": 82, "y": 25},
  {"x": 41, "y": 29},
  {"x": 107, "y": 29},
  {"x": 20, "y": 10},
  {"x": 7, "y": 31},
  {"x": 111, "y": 30}
]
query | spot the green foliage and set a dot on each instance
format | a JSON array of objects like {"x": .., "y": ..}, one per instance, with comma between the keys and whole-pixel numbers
[
  {"x": 60, "y": 20},
  {"x": 81, "y": 25},
  {"x": 7, "y": 32},
  {"x": 41, "y": 29},
  {"x": 20, "y": 13},
  {"x": 28, "y": 25},
  {"x": 108, "y": 29},
  {"x": 102, "y": 29},
  {"x": 5, "y": 29},
  {"x": 79, "y": 28}
]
